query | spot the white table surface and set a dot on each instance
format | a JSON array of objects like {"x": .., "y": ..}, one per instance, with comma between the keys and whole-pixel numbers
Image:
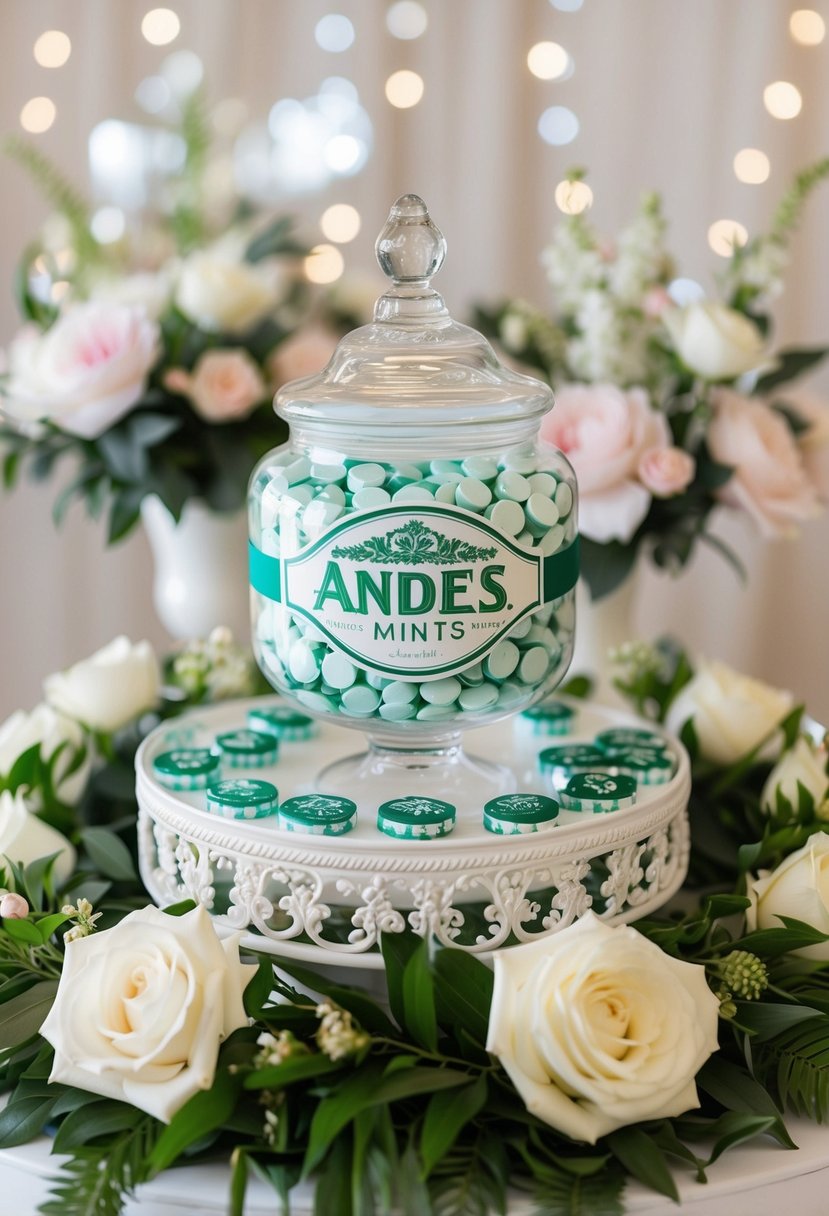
[{"x": 758, "y": 1179}]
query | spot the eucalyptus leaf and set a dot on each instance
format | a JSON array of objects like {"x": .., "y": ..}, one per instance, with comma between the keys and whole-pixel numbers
[
  {"x": 24, "y": 1119},
  {"x": 446, "y": 1116},
  {"x": 463, "y": 992},
  {"x": 109, "y": 854},
  {"x": 22, "y": 1016},
  {"x": 643, "y": 1159},
  {"x": 205, "y": 1112}
]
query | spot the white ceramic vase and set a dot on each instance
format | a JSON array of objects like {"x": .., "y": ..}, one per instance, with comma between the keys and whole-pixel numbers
[
  {"x": 201, "y": 578},
  {"x": 601, "y": 626}
]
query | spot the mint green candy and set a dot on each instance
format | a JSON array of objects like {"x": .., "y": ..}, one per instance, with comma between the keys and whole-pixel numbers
[
  {"x": 318, "y": 815},
  {"x": 441, "y": 692},
  {"x": 371, "y": 496},
  {"x": 282, "y": 721},
  {"x": 316, "y": 701},
  {"x": 533, "y": 665},
  {"x": 302, "y": 662},
  {"x": 511, "y": 694},
  {"x": 483, "y": 468},
  {"x": 599, "y": 793},
  {"x": 520, "y": 461},
  {"x": 552, "y": 541},
  {"x": 472, "y": 675},
  {"x": 564, "y": 498},
  {"x": 512, "y": 486},
  {"x": 472, "y": 494},
  {"x": 542, "y": 483},
  {"x": 186, "y": 768},
  {"x": 331, "y": 493},
  {"x": 338, "y": 671},
  {"x": 477, "y": 697},
  {"x": 550, "y": 718},
  {"x": 320, "y": 514},
  {"x": 296, "y": 496},
  {"x": 436, "y": 713},
  {"x": 242, "y": 798},
  {"x": 445, "y": 470},
  {"x": 541, "y": 511},
  {"x": 410, "y": 496},
  {"x": 363, "y": 475},
  {"x": 410, "y": 471},
  {"x": 360, "y": 700},
  {"x": 375, "y": 680},
  {"x": 327, "y": 472},
  {"x": 298, "y": 470},
  {"x": 413, "y": 818},
  {"x": 445, "y": 492},
  {"x": 511, "y": 814},
  {"x": 395, "y": 711},
  {"x": 506, "y": 516},
  {"x": 246, "y": 748},
  {"x": 398, "y": 692},
  {"x": 502, "y": 660},
  {"x": 629, "y": 736}
]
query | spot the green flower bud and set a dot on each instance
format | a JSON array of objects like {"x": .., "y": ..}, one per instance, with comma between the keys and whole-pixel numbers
[{"x": 744, "y": 974}]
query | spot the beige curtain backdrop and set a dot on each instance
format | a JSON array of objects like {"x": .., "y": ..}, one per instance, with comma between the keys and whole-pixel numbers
[{"x": 666, "y": 91}]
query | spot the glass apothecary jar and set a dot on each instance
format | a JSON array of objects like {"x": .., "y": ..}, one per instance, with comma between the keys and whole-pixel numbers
[{"x": 414, "y": 548}]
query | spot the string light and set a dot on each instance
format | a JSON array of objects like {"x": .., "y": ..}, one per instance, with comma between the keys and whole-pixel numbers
[
  {"x": 404, "y": 89},
  {"x": 724, "y": 236},
  {"x": 340, "y": 223},
  {"x": 751, "y": 166},
  {"x": 334, "y": 33},
  {"x": 548, "y": 61},
  {"x": 558, "y": 125},
  {"x": 324, "y": 264},
  {"x": 782, "y": 99},
  {"x": 37, "y": 115},
  {"x": 807, "y": 27},
  {"x": 52, "y": 49},
  {"x": 406, "y": 19},
  {"x": 160, "y": 26},
  {"x": 573, "y": 197}
]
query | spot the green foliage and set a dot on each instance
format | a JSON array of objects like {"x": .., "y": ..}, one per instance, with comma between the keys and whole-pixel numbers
[{"x": 96, "y": 1180}]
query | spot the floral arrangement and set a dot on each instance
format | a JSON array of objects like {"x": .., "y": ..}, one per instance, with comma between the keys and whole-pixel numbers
[
  {"x": 153, "y": 359},
  {"x": 669, "y": 406},
  {"x": 140, "y": 1039}
]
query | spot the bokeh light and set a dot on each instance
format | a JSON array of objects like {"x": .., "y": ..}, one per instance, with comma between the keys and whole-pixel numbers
[
  {"x": 183, "y": 71},
  {"x": 108, "y": 224},
  {"x": 160, "y": 26},
  {"x": 406, "y": 19},
  {"x": 340, "y": 223},
  {"x": 153, "y": 94},
  {"x": 782, "y": 99},
  {"x": 52, "y": 49},
  {"x": 751, "y": 166},
  {"x": 567, "y": 6},
  {"x": 548, "y": 61},
  {"x": 725, "y": 235},
  {"x": 573, "y": 197},
  {"x": 686, "y": 291},
  {"x": 404, "y": 89},
  {"x": 807, "y": 27},
  {"x": 558, "y": 125},
  {"x": 324, "y": 264},
  {"x": 37, "y": 115},
  {"x": 334, "y": 33}
]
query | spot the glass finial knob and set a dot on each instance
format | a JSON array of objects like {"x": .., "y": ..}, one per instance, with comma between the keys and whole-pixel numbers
[{"x": 410, "y": 249}]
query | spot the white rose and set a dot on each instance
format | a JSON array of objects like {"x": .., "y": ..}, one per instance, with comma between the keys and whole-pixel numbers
[
  {"x": 86, "y": 372},
  {"x": 804, "y": 764},
  {"x": 141, "y": 1009},
  {"x": 799, "y": 888},
  {"x": 714, "y": 341},
  {"x": 24, "y": 838},
  {"x": 224, "y": 295},
  {"x": 731, "y": 712},
  {"x": 51, "y": 730},
  {"x": 152, "y": 292},
  {"x": 109, "y": 689},
  {"x": 598, "y": 1028}
]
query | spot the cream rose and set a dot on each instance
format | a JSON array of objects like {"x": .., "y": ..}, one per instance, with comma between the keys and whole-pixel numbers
[
  {"x": 86, "y": 372},
  {"x": 799, "y": 888},
  {"x": 598, "y": 1028},
  {"x": 605, "y": 431},
  {"x": 142, "y": 1008},
  {"x": 52, "y": 730},
  {"x": 224, "y": 386},
  {"x": 666, "y": 471},
  {"x": 731, "y": 713},
  {"x": 109, "y": 689},
  {"x": 804, "y": 764},
  {"x": 151, "y": 292},
  {"x": 24, "y": 838},
  {"x": 715, "y": 341},
  {"x": 769, "y": 480},
  {"x": 222, "y": 294}
]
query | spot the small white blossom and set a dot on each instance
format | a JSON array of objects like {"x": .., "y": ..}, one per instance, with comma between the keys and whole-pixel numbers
[
  {"x": 84, "y": 919},
  {"x": 276, "y": 1049},
  {"x": 337, "y": 1036}
]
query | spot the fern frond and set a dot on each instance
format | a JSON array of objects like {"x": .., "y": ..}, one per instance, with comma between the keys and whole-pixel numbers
[
  {"x": 796, "y": 1065},
  {"x": 96, "y": 1181},
  {"x": 787, "y": 215},
  {"x": 564, "y": 1194},
  {"x": 59, "y": 192}
]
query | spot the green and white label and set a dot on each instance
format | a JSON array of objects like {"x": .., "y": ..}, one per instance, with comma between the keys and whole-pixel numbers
[{"x": 417, "y": 592}]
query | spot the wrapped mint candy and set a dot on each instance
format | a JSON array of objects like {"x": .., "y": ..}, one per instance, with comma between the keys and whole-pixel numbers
[
  {"x": 511, "y": 814},
  {"x": 549, "y": 718},
  {"x": 242, "y": 798},
  {"x": 566, "y": 759},
  {"x": 414, "y": 818},
  {"x": 649, "y": 765},
  {"x": 598, "y": 792},
  {"x": 246, "y": 748},
  {"x": 281, "y": 721},
  {"x": 186, "y": 768},
  {"x": 629, "y": 736},
  {"x": 318, "y": 815}
]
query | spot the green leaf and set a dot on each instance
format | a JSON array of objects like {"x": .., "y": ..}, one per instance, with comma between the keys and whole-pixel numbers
[
  {"x": 791, "y": 363},
  {"x": 87, "y": 1122},
  {"x": 275, "y": 240},
  {"x": 604, "y": 567},
  {"x": 23, "y": 931},
  {"x": 771, "y": 943},
  {"x": 418, "y": 995},
  {"x": 108, "y": 854},
  {"x": 23, "y": 1016},
  {"x": 736, "y": 1090},
  {"x": 562, "y": 1194},
  {"x": 446, "y": 1116},
  {"x": 259, "y": 990},
  {"x": 397, "y": 949},
  {"x": 24, "y": 1119},
  {"x": 642, "y": 1159},
  {"x": 796, "y": 1063},
  {"x": 148, "y": 429},
  {"x": 463, "y": 992},
  {"x": 204, "y": 1112},
  {"x": 366, "y": 1011},
  {"x": 296, "y": 1068},
  {"x": 767, "y": 1019},
  {"x": 181, "y": 908},
  {"x": 332, "y": 1194},
  {"x": 238, "y": 1182},
  {"x": 124, "y": 513},
  {"x": 733, "y": 1129}
]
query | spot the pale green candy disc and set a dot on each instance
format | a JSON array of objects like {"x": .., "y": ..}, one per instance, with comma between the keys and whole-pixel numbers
[{"x": 441, "y": 692}]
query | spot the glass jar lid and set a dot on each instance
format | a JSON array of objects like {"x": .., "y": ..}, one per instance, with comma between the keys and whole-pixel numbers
[{"x": 414, "y": 367}]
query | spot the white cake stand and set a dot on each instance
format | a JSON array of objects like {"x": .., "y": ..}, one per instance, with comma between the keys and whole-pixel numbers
[{"x": 327, "y": 899}]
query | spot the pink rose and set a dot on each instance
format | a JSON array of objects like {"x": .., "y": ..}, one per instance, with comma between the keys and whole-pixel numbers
[
  {"x": 813, "y": 443},
  {"x": 656, "y": 302},
  {"x": 605, "y": 432},
  {"x": 304, "y": 354},
  {"x": 86, "y": 372},
  {"x": 769, "y": 480},
  {"x": 666, "y": 471},
  {"x": 224, "y": 386},
  {"x": 13, "y": 906}
]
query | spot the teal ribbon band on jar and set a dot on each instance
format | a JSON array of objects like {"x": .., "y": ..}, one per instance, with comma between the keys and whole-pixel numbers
[{"x": 559, "y": 574}]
